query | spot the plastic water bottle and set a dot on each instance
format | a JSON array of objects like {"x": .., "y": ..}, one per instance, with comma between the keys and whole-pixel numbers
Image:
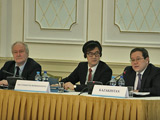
[
  {"x": 121, "y": 81},
  {"x": 113, "y": 81},
  {"x": 45, "y": 76},
  {"x": 38, "y": 76}
]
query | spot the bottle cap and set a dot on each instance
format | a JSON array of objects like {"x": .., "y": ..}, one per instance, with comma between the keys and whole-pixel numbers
[{"x": 38, "y": 72}]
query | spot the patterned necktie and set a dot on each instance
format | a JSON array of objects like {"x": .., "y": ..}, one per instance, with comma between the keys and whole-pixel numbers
[
  {"x": 90, "y": 74},
  {"x": 139, "y": 81},
  {"x": 17, "y": 71}
]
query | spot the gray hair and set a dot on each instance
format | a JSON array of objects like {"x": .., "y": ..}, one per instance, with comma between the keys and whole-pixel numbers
[{"x": 24, "y": 44}]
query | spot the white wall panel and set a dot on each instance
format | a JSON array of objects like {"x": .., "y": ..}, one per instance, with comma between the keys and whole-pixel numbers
[
  {"x": 113, "y": 37},
  {"x": 76, "y": 35}
]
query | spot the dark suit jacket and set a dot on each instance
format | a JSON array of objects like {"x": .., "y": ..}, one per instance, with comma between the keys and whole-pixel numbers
[
  {"x": 103, "y": 74},
  {"x": 29, "y": 71},
  {"x": 150, "y": 79}
]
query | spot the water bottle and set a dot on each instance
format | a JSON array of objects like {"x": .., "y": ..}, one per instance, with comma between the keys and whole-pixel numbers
[
  {"x": 112, "y": 81},
  {"x": 45, "y": 76},
  {"x": 121, "y": 81},
  {"x": 38, "y": 76}
]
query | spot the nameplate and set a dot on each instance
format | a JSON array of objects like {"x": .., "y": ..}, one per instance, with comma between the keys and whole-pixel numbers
[
  {"x": 110, "y": 91},
  {"x": 32, "y": 86}
]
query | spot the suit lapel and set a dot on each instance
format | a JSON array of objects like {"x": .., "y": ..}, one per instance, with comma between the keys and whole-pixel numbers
[
  {"x": 145, "y": 75},
  {"x": 84, "y": 72},
  {"x": 12, "y": 69},
  {"x": 24, "y": 72},
  {"x": 133, "y": 77},
  {"x": 97, "y": 72}
]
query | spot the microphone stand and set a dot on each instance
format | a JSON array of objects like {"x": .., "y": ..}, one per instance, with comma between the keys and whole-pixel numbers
[
  {"x": 82, "y": 91},
  {"x": 13, "y": 74}
]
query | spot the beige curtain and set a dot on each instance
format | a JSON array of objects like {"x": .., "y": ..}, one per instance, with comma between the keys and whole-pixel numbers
[{"x": 16, "y": 105}]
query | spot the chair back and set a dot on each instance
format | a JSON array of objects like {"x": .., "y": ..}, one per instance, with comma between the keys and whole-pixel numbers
[{"x": 54, "y": 79}]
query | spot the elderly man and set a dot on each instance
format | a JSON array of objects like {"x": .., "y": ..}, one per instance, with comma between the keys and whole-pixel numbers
[
  {"x": 143, "y": 75},
  {"x": 22, "y": 65}
]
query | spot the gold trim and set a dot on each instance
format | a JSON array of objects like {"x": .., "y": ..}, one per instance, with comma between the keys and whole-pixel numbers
[
  {"x": 59, "y": 21},
  {"x": 115, "y": 15},
  {"x": 126, "y": 28},
  {"x": 61, "y": 42}
]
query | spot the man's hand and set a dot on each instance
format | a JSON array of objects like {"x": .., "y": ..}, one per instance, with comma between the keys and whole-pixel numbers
[
  {"x": 4, "y": 82},
  {"x": 135, "y": 90},
  {"x": 68, "y": 85}
]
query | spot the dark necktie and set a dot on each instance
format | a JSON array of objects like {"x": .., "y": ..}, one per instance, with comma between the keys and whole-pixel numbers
[
  {"x": 90, "y": 74},
  {"x": 17, "y": 71},
  {"x": 139, "y": 81}
]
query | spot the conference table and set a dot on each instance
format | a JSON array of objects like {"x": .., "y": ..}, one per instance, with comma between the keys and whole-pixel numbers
[{"x": 16, "y": 105}]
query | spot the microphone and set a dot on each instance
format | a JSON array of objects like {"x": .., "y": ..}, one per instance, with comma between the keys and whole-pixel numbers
[
  {"x": 124, "y": 72},
  {"x": 90, "y": 85},
  {"x": 12, "y": 74},
  {"x": 12, "y": 79},
  {"x": 83, "y": 90},
  {"x": 8, "y": 72}
]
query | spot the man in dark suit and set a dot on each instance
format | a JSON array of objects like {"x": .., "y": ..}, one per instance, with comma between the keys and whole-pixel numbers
[
  {"x": 92, "y": 70},
  {"x": 21, "y": 65},
  {"x": 144, "y": 76}
]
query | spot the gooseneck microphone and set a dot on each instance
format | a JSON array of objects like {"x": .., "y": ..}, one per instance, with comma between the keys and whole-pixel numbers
[
  {"x": 124, "y": 72},
  {"x": 82, "y": 91},
  {"x": 90, "y": 85},
  {"x": 13, "y": 74},
  {"x": 9, "y": 73}
]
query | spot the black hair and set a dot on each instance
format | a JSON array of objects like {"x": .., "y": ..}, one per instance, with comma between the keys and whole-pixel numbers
[
  {"x": 143, "y": 50},
  {"x": 90, "y": 45}
]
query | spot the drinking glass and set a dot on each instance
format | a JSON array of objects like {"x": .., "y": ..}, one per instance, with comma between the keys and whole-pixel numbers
[{"x": 61, "y": 87}]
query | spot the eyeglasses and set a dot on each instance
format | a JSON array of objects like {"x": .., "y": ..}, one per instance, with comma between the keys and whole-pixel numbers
[
  {"x": 137, "y": 60},
  {"x": 90, "y": 54}
]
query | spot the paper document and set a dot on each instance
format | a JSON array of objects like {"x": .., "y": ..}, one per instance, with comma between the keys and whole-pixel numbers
[{"x": 141, "y": 93}]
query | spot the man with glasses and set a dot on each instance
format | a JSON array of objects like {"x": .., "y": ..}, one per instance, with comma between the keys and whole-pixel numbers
[
  {"x": 144, "y": 76},
  {"x": 92, "y": 70}
]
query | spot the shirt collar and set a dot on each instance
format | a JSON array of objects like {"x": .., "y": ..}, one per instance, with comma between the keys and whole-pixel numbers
[
  {"x": 21, "y": 67},
  {"x": 93, "y": 68},
  {"x": 141, "y": 72}
]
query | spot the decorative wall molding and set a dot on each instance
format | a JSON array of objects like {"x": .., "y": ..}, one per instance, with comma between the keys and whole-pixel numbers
[
  {"x": 53, "y": 40},
  {"x": 56, "y": 14},
  {"x": 132, "y": 43},
  {"x": 137, "y": 15},
  {"x": 111, "y": 35},
  {"x": 76, "y": 35}
]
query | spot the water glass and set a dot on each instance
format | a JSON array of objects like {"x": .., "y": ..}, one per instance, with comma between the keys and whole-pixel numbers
[
  {"x": 130, "y": 91},
  {"x": 61, "y": 87}
]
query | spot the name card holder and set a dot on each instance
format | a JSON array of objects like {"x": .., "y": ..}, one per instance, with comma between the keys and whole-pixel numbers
[
  {"x": 32, "y": 86},
  {"x": 110, "y": 91}
]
